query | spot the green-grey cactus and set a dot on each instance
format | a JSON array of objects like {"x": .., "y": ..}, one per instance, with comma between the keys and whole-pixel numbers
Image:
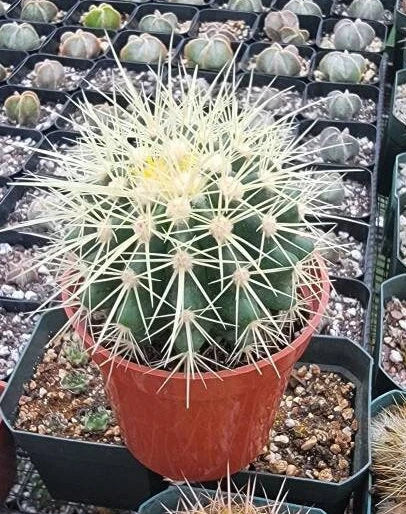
[
  {"x": 338, "y": 146},
  {"x": 96, "y": 420},
  {"x": 3, "y": 72},
  {"x": 39, "y": 11},
  {"x": 102, "y": 16},
  {"x": 304, "y": 7},
  {"x": 75, "y": 353},
  {"x": 19, "y": 36},
  {"x": 49, "y": 74},
  {"x": 343, "y": 105},
  {"x": 210, "y": 54},
  {"x": 144, "y": 48},
  {"x": 278, "y": 60},
  {"x": 353, "y": 35},
  {"x": 245, "y": 5},
  {"x": 75, "y": 381},
  {"x": 343, "y": 67},
  {"x": 283, "y": 27},
  {"x": 334, "y": 192},
  {"x": 23, "y": 109},
  {"x": 80, "y": 44},
  {"x": 368, "y": 9},
  {"x": 159, "y": 22}
]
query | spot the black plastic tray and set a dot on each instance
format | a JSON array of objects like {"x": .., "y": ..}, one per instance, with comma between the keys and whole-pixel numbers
[
  {"x": 124, "y": 8},
  {"x": 183, "y": 13}
]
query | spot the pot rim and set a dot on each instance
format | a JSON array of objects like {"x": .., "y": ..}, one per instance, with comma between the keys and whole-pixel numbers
[{"x": 322, "y": 298}]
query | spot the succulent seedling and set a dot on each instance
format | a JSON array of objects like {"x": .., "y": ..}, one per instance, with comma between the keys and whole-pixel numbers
[
  {"x": 144, "y": 48},
  {"x": 278, "y": 60},
  {"x": 283, "y": 27},
  {"x": 353, "y": 35},
  {"x": 75, "y": 353},
  {"x": 367, "y": 9},
  {"x": 343, "y": 67},
  {"x": 102, "y": 16},
  {"x": 96, "y": 420},
  {"x": 19, "y": 36},
  {"x": 75, "y": 381},
  {"x": 80, "y": 44},
  {"x": 210, "y": 54},
  {"x": 23, "y": 109},
  {"x": 343, "y": 105},
  {"x": 49, "y": 74},
  {"x": 159, "y": 22},
  {"x": 43, "y": 11},
  {"x": 338, "y": 146},
  {"x": 245, "y": 5},
  {"x": 304, "y": 7}
]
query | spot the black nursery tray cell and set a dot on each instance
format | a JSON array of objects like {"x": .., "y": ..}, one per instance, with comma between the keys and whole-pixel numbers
[{"x": 11, "y": 60}]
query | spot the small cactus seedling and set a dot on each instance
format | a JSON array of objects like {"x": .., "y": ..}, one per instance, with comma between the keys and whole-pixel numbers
[
  {"x": 367, "y": 9},
  {"x": 304, "y": 7},
  {"x": 79, "y": 44},
  {"x": 159, "y": 22},
  {"x": 338, "y": 146},
  {"x": 343, "y": 105},
  {"x": 96, "y": 420},
  {"x": 22, "y": 273},
  {"x": 283, "y": 27},
  {"x": 102, "y": 16},
  {"x": 210, "y": 54},
  {"x": 144, "y": 48},
  {"x": 75, "y": 353},
  {"x": 36, "y": 211},
  {"x": 49, "y": 74},
  {"x": 3, "y": 73},
  {"x": 23, "y": 109},
  {"x": 39, "y": 10},
  {"x": 353, "y": 35},
  {"x": 75, "y": 381},
  {"x": 278, "y": 60},
  {"x": 343, "y": 67},
  {"x": 19, "y": 36},
  {"x": 245, "y": 5}
]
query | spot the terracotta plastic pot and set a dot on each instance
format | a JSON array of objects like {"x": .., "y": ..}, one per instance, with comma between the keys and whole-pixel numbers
[
  {"x": 7, "y": 457},
  {"x": 229, "y": 418}
]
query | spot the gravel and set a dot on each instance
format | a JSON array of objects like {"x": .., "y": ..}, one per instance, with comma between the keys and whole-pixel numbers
[
  {"x": 394, "y": 340},
  {"x": 318, "y": 109},
  {"x": 12, "y": 155},
  {"x": 107, "y": 79},
  {"x": 18, "y": 280},
  {"x": 377, "y": 45},
  {"x": 235, "y": 30},
  {"x": 370, "y": 75},
  {"x": 49, "y": 114},
  {"x": 340, "y": 8},
  {"x": 73, "y": 77},
  {"x": 314, "y": 430},
  {"x": 357, "y": 200},
  {"x": 290, "y": 99},
  {"x": 345, "y": 255}
]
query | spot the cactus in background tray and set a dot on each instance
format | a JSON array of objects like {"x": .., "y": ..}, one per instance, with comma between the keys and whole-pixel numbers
[
  {"x": 23, "y": 109},
  {"x": 278, "y": 60},
  {"x": 19, "y": 36},
  {"x": 245, "y": 5},
  {"x": 283, "y": 27},
  {"x": 368, "y": 9},
  {"x": 210, "y": 54},
  {"x": 39, "y": 10},
  {"x": 97, "y": 420},
  {"x": 144, "y": 48},
  {"x": 79, "y": 44},
  {"x": 102, "y": 16},
  {"x": 3, "y": 73},
  {"x": 353, "y": 35},
  {"x": 343, "y": 67},
  {"x": 304, "y": 7},
  {"x": 338, "y": 146},
  {"x": 343, "y": 105},
  {"x": 49, "y": 74},
  {"x": 159, "y": 22}
]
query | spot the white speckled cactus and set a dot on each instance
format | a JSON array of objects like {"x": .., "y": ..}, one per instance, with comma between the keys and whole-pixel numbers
[
  {"x": 39, "y": 11},
  {"x": 23, "y": 109},
  {"x": 278, "y": 60},
  {"x": 49, "y": 74},
  {"x": 353, "y": 35},
  {"x": 304, "y": 7},
  {"x": 144, "y": 48},
  {"x": 338, "y": 146},
  {"x": 368, "y": 9},
  {"x": 158, "y": 22},
  {"x": 283, "y": 27},
  {"x": 245, "y": 5},
  {"x": 343, "y": 67},
  {"x": 80, "y": 44},
  {"x": 210, "y": 54},
  {"x": 343, "y": 105},
  {"x": 19, "y": 36}
]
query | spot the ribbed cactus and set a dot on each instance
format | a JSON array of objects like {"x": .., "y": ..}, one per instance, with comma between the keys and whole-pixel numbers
[
  {"x": 283, "y": 27},
  {"x": 278, "y": 60},
  {"x": 3, "y": 72},
  {"x": 159, "y": 22},
  {"x": 342, "y": 67},
  {"x": 343, "y": 105},
  {"x": 304, "y": 7},
  {"x": 96, "y": 420},
  {"x": 210, "y": 54},
  {"x": 338, "y": 146},
  {"x": 75, "y": 354},
  {"x": 75, "y": 381},
  {"x": 19, "y": 36},
  {"x": 79, "y": 44},
  {"x": 102, "y": 16},
  {"x": 245, "y": 5},
  {"x": 353, "y": 35},
  {"x": 23, "y": 109},
  {"x": 334, "y": 191},
  {"x": 368, "y": 9},
  {"x": 49, "y": 74},
  {"x": 39, "y": 10},
  {"x": 144, "y": 48}
]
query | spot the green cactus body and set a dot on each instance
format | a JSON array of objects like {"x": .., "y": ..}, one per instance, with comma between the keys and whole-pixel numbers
[
  {"x": 75, "y": 354},
  {"x": 19, "y": 36},
  {"x": 283, "y": 26},
  {"x": 304, "y": 7},
  {"x": 144, "y": 48},
  {"x": 102, "y": 16},
  {"x": 23, "y": 109},
  {"x": 96, "y": 420},
  {"x": 343, "y": 105},
  {"x": 75, "y": 381},
  {"x": 3, "y": 72},
  {"x": 39, "y": 10},
  {"x": 210, "y": 54},
  {"x": 278, "y": 60},
  {"x": 79, "y": 44},
  {"x": 245, "y": 5},
  {"x": 159, "y": 22},
  {"x": 338, "y": 146},
  {"x": 343, "y": 67},
  {"x": 368, "y": 9},
  {"x": 49, "y": 74},
  {"x": 353, "y": 35}
]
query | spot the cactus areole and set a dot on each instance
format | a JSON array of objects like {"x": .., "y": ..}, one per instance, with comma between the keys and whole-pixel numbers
[{"x": 187, "y": 252}]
